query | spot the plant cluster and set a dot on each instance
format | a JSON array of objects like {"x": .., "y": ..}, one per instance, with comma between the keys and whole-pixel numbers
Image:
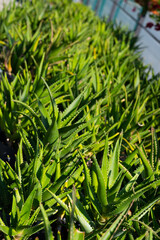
[{"x": 79, "y": 127}]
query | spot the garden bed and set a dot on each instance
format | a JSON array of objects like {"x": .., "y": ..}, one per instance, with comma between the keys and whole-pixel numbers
[{"x": 79, "y": 124}]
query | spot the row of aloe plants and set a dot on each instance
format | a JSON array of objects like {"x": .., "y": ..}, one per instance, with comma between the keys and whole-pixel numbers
[{"x": 80, "y": 113}]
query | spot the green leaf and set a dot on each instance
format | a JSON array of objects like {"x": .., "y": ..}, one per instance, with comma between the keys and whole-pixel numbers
[
  {"x": 14, "y": 214},
  {"x": 26, "y": 208},
  {"x": 105, "y": 162},
  {"x": 82, "y": 218},
  {"x": 147, "y": 166},
  {"x": 110, "y": 232},
  {"x": 102, "y": 194},
  {"x": 8, "y": 231},
  {"x": 114, "y": 160},
  {"x": 48, "y": 230},
  {"x": 89, "y": 189},
  {"x": 52, "y": 134}
]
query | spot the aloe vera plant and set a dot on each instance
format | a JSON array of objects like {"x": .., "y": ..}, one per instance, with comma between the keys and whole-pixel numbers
[{"x": 107, "y": 194}]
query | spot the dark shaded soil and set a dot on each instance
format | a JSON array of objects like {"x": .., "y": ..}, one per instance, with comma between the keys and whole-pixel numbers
[{"x": 7, "y": 153}]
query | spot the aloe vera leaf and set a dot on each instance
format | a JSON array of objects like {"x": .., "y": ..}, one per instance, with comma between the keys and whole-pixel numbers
[
  {"x": 74, "y": 145},
  {"x": 102, "y": 194},
  {"x": 10, "y": 173},
  {"x": 137, "y": 80},
  {"x": 74, "y": 177},
  {"x": 36, "y": 34},
  {"x": 87, "y": 181},
  {"x": 148, "y": 228},
  {"x": 19, "y": 198},
  {"x": 54, "y": 106},
  {"x": 48, "y": 230},
  {"x": 25, "y": 93},
  {"x": 55, "y": 187},
  {"x": 34, "y": 217},
  {"x": 58, "y": 164},
  {"x": 8, "y": 230},
  {"x": 8, "y": 92},
  {"x": 52, "y": 134},
  {"x": 72, "y": 106},
  {"x": 78, "y": 235},
  {"x": 121, "y": 121},
  {"x": 131, "y": 183},
  {"x": 154, "y": 149},
  {"x": 75, "y": 128},
  {"x": 44, "y": 114},
  {"x": 27, "y": 143},
  {"x": 127, "y": 172},
  {"x": 105, "y": 162},
  {"x": 71, "y": 232},
  {"x": 147, "y": 166},
  {"x": 113, "y": 192},
  {"x": 149, "y": 115},
  {"x": 131, "y": 156},
  {"x": 14, "y": 214},
  {"x": 84, "y": 221},
  {"x": 38, "y": 195},
  {"x": 32, "y": 112},
  {"x": 109, "y": 233},
  {"x": 127, "y": 198},
  {"x": 74, "y": 234},
  {"x": 26, "y": 208},
  {"x": 58, "y": 199},
  {"x": 19, "y": 161},
  {"x": 94, "y": 178},
  {"x": 118, "y": 87},
  {"x": 147, "y": 207},
  {"x": 113, "y": 169},
  {"x": 32, "y": 230},
  {"x": 51, "y": 202},
  {"x": 71, "y": 117},
  {"x": 48, "y": 173}
]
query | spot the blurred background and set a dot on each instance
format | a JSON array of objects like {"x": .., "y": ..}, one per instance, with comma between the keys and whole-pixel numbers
[{"x": 132, "y": 15}]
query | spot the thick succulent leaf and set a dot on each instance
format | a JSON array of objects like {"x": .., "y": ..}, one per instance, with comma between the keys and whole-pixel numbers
[
  {"x": 147, "y": 207},
  {"x": 114, "y": 190},
  {"x": 58, "y": 200},
  {"x": 74, "y": 177},
  {"x": 14, "y": 214},
  {"x": 109, "y": 233},
  {"x": 72, "y": 106},
  {"x": 114, "y": 160},
  {"x": 47, "y": 174},
  {"x": 124, "y": 201},
  {"x": 46, "y": 120},
  {"x": 8, "y": 230},
  {"x": 26, "y": 208},
  {"x": 74, "y": 234},
  {"x": 146, "y": 163},
  {"x": 33, "y": 113},
  {"x": 48, "y": 230},
  {"x": 89, "y": 189},
  {"x": 83, "y": 218},
  {"x": 102, "y": 194},
  {"x": 56, "y": 186},
  {"x": 105, "y": 162},
  {"x": 154, "y": 150},
  {"x": 52, "y": 134},
  {"x": 54, "y": 106},
  {"x": 19, "y": 161}
]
